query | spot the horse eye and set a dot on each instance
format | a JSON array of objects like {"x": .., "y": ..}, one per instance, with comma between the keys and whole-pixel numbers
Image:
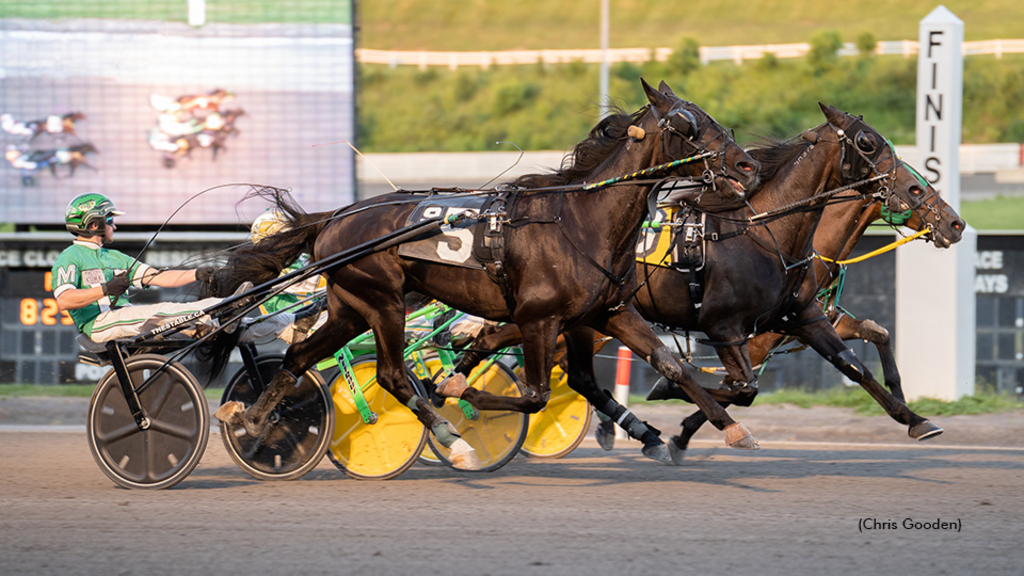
[{"x": 866, "y": 143}]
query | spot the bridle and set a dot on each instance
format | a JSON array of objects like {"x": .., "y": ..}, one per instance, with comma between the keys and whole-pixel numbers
[
  {"x": 864, "y": 144},
  {"x": 682, "y": 123}
]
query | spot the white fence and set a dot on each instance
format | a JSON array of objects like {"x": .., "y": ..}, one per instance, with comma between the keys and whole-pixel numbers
[
  {"x": 477, "y": 168},
  {"x": 737, "y": 54}
]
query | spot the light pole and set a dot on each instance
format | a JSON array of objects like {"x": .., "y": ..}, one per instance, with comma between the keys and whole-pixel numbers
[{"x": 605, "y": 99}]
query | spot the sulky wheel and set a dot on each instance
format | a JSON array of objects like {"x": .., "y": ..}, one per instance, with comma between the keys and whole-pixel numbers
[
  {"x": 563, "y": 423},
  {"x": 300, "y": 429},
  {"x": 376, "y": 451},
  {"x": 170, "y": 448},
  {"x": 496, "y": 435}
]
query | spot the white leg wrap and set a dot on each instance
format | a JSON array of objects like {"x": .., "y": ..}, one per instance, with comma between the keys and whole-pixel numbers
[{"x": 463, "y": 456}]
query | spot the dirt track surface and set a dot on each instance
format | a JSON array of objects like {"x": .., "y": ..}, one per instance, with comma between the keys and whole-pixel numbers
[{"x": 790, "y": 508}]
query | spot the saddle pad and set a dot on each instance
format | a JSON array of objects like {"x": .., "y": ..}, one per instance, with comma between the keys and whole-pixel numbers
[
  {"x": 655, "y": 242},
  {"x": 680, "y": 247},
  {"x": 451, "y": 245}
]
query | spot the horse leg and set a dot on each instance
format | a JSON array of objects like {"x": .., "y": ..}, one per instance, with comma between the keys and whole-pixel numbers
[
  {"x": 738, "y": 383},
  {"x": 388, "y": 323},
  {"x": 487, "y": 344},
  {"x": 870, "y": 331},
  {"x": 631, "y": 330},
  {"x": 826, "y": 342},
  {"x": 537, "y": 336},
  {"x": 342, "y": 325},
  {"x": 508, "y": 335},
  {"x": 580, "y": 350}
]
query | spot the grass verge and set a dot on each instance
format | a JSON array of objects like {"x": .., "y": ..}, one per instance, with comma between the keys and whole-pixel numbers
[
  {"x": 862, "y": 403},
  {"x": 1000, "y": 213}
]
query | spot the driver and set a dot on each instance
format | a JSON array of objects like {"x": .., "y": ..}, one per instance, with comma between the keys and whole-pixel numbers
[{"x": 90, "y": 282}]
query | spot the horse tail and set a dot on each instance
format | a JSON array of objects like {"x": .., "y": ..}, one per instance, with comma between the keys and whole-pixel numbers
[{"x": 259, "y": 263}]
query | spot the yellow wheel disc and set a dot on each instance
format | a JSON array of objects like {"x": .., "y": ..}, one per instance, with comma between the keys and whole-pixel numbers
[
  {"x": 560, "y": 427},
  {"x": 495, "y": 435},
  {"x": 373, "y": 451}
]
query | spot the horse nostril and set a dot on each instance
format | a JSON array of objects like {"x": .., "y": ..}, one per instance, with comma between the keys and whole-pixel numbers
[{"x": 747, "y": 166}]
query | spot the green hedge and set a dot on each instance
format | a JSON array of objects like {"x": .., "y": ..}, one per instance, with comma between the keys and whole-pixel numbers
[{"x": 539, "y": 106}]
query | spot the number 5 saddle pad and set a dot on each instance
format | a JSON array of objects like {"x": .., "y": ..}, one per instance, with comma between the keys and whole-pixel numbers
[{"x": 453, "y": 245}]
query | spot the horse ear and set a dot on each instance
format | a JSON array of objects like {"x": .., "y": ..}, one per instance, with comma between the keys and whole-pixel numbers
[
  {"x": 656, "y": 98},
  {"x": 832, "y": 114},
  {"x": 664, "y": 89}
]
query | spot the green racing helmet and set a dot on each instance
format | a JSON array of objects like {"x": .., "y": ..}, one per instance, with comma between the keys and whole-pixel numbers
[{"x": 85, "y": 209}]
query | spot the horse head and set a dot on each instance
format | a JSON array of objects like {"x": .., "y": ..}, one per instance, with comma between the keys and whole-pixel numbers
[
  {"x": 906, "y": 197},
  {"x": 686, "y": 130}
]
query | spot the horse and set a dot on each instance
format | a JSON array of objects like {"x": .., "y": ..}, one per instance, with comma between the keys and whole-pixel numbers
[
  {"x": 53, "y": 124},
  {"x": 227, "y": 128},
  {"x": 568, "y": 262},
  {"x": 211, "y": 133},
  {"x": 783, "y": 259},
  {"x": 30, "y": 163},
  {"x": 849, "y": 220},
  {"x": 209, "y": 102}
]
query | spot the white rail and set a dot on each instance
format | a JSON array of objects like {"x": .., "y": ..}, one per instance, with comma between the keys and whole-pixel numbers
[
  {"x": 738, "y": 54},
  {"x": 477, "y": 168}
]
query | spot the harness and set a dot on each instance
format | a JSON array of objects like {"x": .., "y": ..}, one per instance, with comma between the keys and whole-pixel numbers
[
  {"x": 678, "y": 121},
  {"x": 860, "y": 157}
]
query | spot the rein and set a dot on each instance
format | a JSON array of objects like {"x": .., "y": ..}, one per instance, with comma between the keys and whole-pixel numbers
[
  {"x": 791, "y": 208},
  {"x": 649, "y": 171},
  {"x": 887, "y": 248}
]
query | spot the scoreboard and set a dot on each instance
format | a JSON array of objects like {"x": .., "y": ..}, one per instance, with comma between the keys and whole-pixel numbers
[{"x": 35, "y": 335}]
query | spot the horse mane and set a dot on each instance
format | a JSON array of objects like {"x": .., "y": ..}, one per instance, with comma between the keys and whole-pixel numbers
[
  {"x": 587, "y": 155},
  {"x": 774, "y": 153}
]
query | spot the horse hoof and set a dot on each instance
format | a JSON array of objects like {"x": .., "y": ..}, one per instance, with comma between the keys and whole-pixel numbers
[
  {"x": 678, "y": 454},
  {"x": 662, "y": 390},
  {"x": 452, "y": 386},
  {"x": 233, "y": 415},
  {"x": 463, "y": 457},
  {"x": 229, "y": 412},
  {"x": 925, "y": 430},
  {"x": 657, "y": 452},
  {"x": 605, "y": 435},
  {"x": 737, "y": 436}
]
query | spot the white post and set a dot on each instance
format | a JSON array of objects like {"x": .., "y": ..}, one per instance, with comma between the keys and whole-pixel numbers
[
  {"x": 935, "y": 301},
  {"x": 196, "y": 12}
]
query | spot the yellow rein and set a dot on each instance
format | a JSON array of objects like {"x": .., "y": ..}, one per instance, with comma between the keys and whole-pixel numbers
[{"x": 881, "y": 250}]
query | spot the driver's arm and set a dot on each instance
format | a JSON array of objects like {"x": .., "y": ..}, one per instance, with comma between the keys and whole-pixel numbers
[{"x": 75, "y": 298}]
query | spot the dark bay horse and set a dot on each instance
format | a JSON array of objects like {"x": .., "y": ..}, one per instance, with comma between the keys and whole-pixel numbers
[
  {"x": 569, "y": 262},
  {"x": 763, "y": 278},
  {"x": 842, "y": 226},
  {"x": 846, "y": 224},
  {"x": 851, "y": 151}
]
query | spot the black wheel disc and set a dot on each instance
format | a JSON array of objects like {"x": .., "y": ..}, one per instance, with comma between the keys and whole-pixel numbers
[
  {"x": 300, "y": 429},
  {"x": 170, "y": 448}
]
